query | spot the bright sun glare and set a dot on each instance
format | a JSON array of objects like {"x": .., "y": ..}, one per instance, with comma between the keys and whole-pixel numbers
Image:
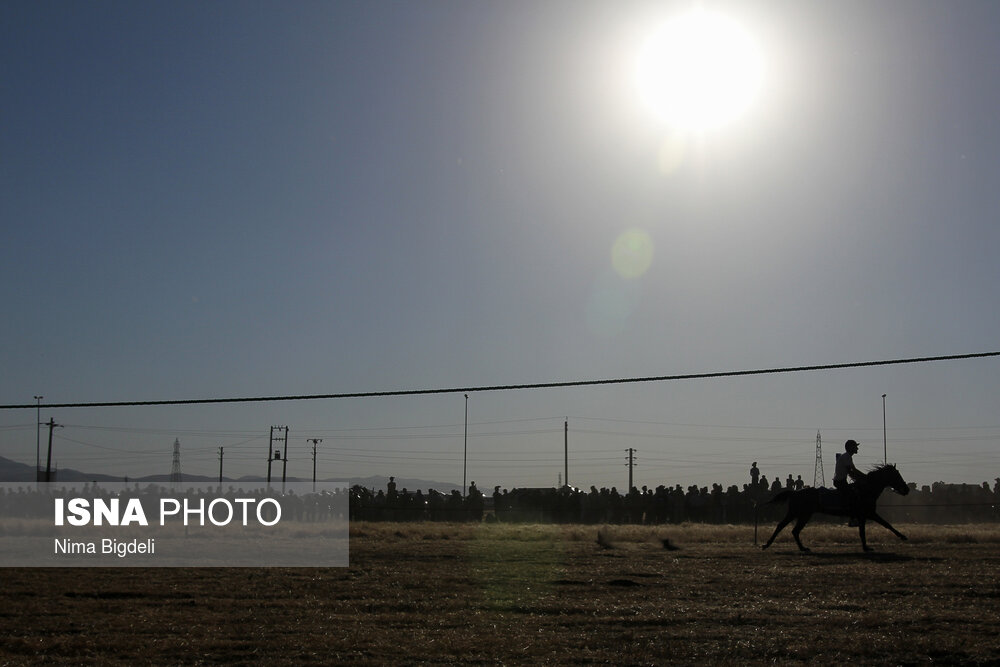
[{"x": 699, "y": 71}]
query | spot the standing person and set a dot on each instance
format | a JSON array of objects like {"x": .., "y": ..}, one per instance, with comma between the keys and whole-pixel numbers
[{"x": 754, "y": 475}]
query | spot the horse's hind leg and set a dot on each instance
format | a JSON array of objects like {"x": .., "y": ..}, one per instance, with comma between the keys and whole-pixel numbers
[
  {"x": 799, "y": 525},
  {"x": 781, "y": 524},
  {"x": 861, "y": 532}
]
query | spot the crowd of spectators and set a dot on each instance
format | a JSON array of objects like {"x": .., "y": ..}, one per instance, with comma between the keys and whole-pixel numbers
[{"x": 937, "y": 503}]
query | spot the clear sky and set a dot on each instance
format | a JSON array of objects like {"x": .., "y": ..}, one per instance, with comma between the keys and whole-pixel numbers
[{"x": 204, "y": 200}]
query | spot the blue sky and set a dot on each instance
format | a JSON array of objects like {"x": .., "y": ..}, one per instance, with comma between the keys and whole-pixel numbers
[{"x": 246, "y": 199}]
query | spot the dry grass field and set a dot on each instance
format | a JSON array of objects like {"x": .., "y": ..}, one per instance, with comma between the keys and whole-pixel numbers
[{"x": 497, "y": 594}]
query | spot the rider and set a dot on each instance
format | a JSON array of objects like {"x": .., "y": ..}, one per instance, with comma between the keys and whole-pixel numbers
[{"x": 845, "y": 468}]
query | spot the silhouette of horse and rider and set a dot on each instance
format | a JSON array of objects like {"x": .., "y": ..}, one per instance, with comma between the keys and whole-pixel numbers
[{"x": 856, "y": 501}]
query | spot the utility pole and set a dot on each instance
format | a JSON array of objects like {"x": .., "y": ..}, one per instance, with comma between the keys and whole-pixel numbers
[
  {"x": 885, "y": 450},
  {"x": 278, "y": 434},
  {"x": 465, "y": 447},
  {"x": 48, "y": 464},
  {"x": 221, "y": 449},
  {"x": 38, "y": 438},
  {"x": 819, "y": 479},
  {"x": 631, "y": 463},
  {"x": 566, "y": 450},
  {"x": 284, "y": 464},
  {"x": 314, "y": 441}
]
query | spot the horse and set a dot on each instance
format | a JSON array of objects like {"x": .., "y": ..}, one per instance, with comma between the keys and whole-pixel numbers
[{"x": 803, "y": 503}]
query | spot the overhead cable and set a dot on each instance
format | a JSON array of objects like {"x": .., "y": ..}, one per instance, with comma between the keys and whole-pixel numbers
[{"x": 510, "y": 387}]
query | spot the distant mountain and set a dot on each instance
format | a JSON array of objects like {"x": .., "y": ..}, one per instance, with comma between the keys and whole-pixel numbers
[{"x": 12, "y": 471}]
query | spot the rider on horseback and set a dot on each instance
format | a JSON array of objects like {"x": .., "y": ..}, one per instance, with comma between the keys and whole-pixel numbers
[{"x": 845, "y": 468}]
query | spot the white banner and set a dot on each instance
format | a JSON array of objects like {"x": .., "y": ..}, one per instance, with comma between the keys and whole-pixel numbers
[{"x": 174, "y": 525}]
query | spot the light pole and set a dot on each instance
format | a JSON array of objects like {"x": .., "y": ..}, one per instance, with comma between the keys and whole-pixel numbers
[
  {"x": 566, "y": 450},
  {"x": 465, "y": 447},
  {"x": 38, "y": 446},
  {"x": 885, "y": 450}
]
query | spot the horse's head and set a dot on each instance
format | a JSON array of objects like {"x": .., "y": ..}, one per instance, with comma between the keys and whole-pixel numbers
[{"x": 894, "y": 480}]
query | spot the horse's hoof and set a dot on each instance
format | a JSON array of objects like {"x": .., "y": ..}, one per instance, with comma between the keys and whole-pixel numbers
[
  {"x": 903, "y": 537},
  {"x": 805, "y": 550},
  {"x": 868, "y": 550},
  {"x": 764, "y": 546}
]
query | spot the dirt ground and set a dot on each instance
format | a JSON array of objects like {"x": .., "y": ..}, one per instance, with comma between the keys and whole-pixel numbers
[{"x": 495, "y": 594}]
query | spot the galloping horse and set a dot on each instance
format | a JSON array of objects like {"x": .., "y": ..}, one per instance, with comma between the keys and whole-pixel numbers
[{"x": 803, "y": 503}]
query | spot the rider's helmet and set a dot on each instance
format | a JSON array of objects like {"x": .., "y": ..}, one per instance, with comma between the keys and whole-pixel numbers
[{"x": 851, "y": 446}]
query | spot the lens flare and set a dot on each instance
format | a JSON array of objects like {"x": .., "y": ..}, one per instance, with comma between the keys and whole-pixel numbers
[
  {"x": 672, "y": 154},
  {"x": 611, "y": 304},
  {"x": 632, "y": 253}
]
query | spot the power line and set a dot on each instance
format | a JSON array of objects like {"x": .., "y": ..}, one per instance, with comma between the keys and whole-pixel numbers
[
  {"x": 193, "y": 433},
  {"x": 508, "y": 387},
  {"x": 720, "y": 438},
  {"x": 17, "y": 427}
]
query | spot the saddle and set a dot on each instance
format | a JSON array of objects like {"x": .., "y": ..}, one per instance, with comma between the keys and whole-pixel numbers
[{"x": 835, "y": 500}]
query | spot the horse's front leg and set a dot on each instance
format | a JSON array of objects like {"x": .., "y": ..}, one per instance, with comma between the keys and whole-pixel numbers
[{"x": 882, "y": 522}]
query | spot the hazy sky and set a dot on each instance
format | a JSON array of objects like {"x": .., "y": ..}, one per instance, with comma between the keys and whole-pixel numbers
[{"x": 222, "y": 199}]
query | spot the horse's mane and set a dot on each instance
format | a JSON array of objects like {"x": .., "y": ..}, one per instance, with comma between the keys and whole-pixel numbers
[{"x": 879, "y": 467}]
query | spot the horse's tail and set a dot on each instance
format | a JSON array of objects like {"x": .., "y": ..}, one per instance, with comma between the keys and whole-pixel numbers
[{"x": 780, "y": 497}]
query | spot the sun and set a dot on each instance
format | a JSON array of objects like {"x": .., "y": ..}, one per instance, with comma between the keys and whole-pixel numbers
[{"x": 698, "y": 71}]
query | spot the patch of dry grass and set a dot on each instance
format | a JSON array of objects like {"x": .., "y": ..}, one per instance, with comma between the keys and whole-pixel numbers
[
  {"x": 685, "y": 533},
  {"x": 463, "y": 593}
]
